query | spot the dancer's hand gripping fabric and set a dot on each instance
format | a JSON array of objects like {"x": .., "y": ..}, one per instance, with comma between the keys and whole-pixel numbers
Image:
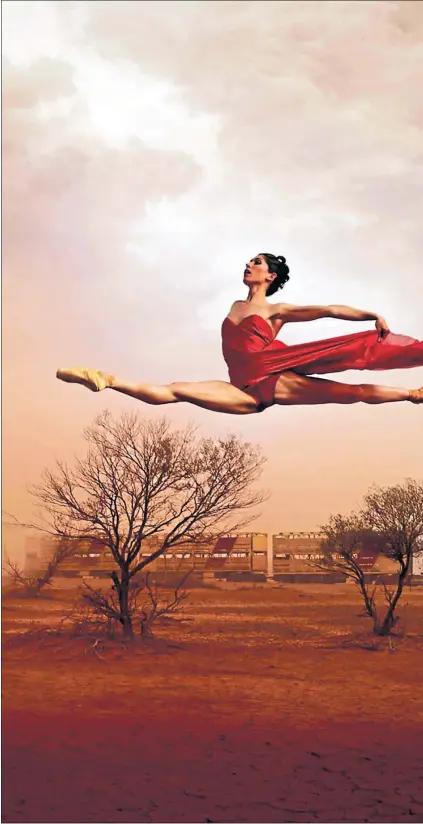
[{"x": 382, "y": 328}]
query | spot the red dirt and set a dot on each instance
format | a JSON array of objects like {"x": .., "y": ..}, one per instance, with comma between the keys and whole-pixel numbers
[{"x": 256, "y": 714}]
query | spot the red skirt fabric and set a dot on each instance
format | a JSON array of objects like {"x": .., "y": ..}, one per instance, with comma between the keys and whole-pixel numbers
[
  {"x": 263, "y": 391},
  {"x": 255, "y": 360}
]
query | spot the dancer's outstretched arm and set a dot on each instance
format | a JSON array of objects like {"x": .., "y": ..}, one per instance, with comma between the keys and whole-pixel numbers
[{"x": 289, "y": 313}]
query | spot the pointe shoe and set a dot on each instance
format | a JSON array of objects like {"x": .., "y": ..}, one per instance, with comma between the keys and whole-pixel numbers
[
  {"x": 416, "y": 395},
  {"x": 91, "y": 378}
]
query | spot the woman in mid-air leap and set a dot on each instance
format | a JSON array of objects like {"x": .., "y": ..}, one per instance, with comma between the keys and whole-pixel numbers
[{"x": 264, "y": 371}]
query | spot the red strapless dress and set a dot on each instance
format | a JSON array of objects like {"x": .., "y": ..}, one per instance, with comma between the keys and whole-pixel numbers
[{"x": 255, "y": 359}]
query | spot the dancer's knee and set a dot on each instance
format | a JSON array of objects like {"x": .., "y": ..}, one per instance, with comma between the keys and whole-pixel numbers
[
  {"x": 368, "y": 393},
  {"x": 355, "y": 393},
  {"x": 350, "y": 393},
  {"x": 181, "y": 391}
]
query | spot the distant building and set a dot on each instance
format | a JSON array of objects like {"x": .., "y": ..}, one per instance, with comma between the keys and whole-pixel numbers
[
  {"x": 243, "y": 552},
  {"x": 283, "y": 554},
  {"x": 295, "y": 552}
]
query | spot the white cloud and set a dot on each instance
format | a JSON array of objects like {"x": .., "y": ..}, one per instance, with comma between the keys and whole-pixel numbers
[
  {"x": 301, "y": 121},
  {"x": 37, "y": 29},
  {"x": 123, "y": 104}
]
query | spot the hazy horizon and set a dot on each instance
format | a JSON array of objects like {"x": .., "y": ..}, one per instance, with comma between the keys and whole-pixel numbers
[{"x": 149, "y": 150}]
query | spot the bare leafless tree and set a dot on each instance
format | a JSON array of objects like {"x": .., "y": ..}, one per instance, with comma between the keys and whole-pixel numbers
[
  {"x": 345, "y": 538},
  {"x": 389, "y": 523},
  {"x": 142, "y": 480}
]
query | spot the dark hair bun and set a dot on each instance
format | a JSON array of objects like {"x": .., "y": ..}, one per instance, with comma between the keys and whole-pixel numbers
[{"x": 277, "y": 265}]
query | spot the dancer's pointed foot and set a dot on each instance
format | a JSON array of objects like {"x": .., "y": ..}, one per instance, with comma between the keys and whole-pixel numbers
[
  {"x": 416, "y": 395},
  {"x": 91, "y": 378}
]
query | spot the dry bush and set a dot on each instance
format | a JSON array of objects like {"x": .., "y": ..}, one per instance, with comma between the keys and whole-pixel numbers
[
  {"x": 147, "y": 605},
  {"x": 94, "y": 618},
  {"x": 30, "y": 585}
]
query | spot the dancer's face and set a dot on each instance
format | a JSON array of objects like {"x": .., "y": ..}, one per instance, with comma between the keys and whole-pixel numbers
[{"x": 257, "y": 272}]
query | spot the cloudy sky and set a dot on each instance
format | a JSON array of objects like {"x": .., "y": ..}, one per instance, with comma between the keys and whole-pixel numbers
[{"x": 149, "y": 149}]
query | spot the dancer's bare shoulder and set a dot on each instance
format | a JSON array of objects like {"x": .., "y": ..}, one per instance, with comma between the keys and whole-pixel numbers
[{"x": 237, "y": 310}]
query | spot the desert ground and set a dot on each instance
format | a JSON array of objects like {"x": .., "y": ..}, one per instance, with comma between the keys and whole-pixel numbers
[{"x": 265, "y": 703}]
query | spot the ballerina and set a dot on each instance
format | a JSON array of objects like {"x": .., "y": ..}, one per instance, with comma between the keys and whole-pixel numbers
[{"x": 264, "y": 371}]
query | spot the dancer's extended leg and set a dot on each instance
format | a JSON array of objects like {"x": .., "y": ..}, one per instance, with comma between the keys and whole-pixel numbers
[
  {"x": 294, "y": 389},
  {"x": 220, "y": 396},
  {"x": 217, "y": 396}
]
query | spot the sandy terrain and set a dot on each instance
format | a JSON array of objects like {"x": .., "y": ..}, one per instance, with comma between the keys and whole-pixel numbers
[{"x": 255, "y": 711}]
